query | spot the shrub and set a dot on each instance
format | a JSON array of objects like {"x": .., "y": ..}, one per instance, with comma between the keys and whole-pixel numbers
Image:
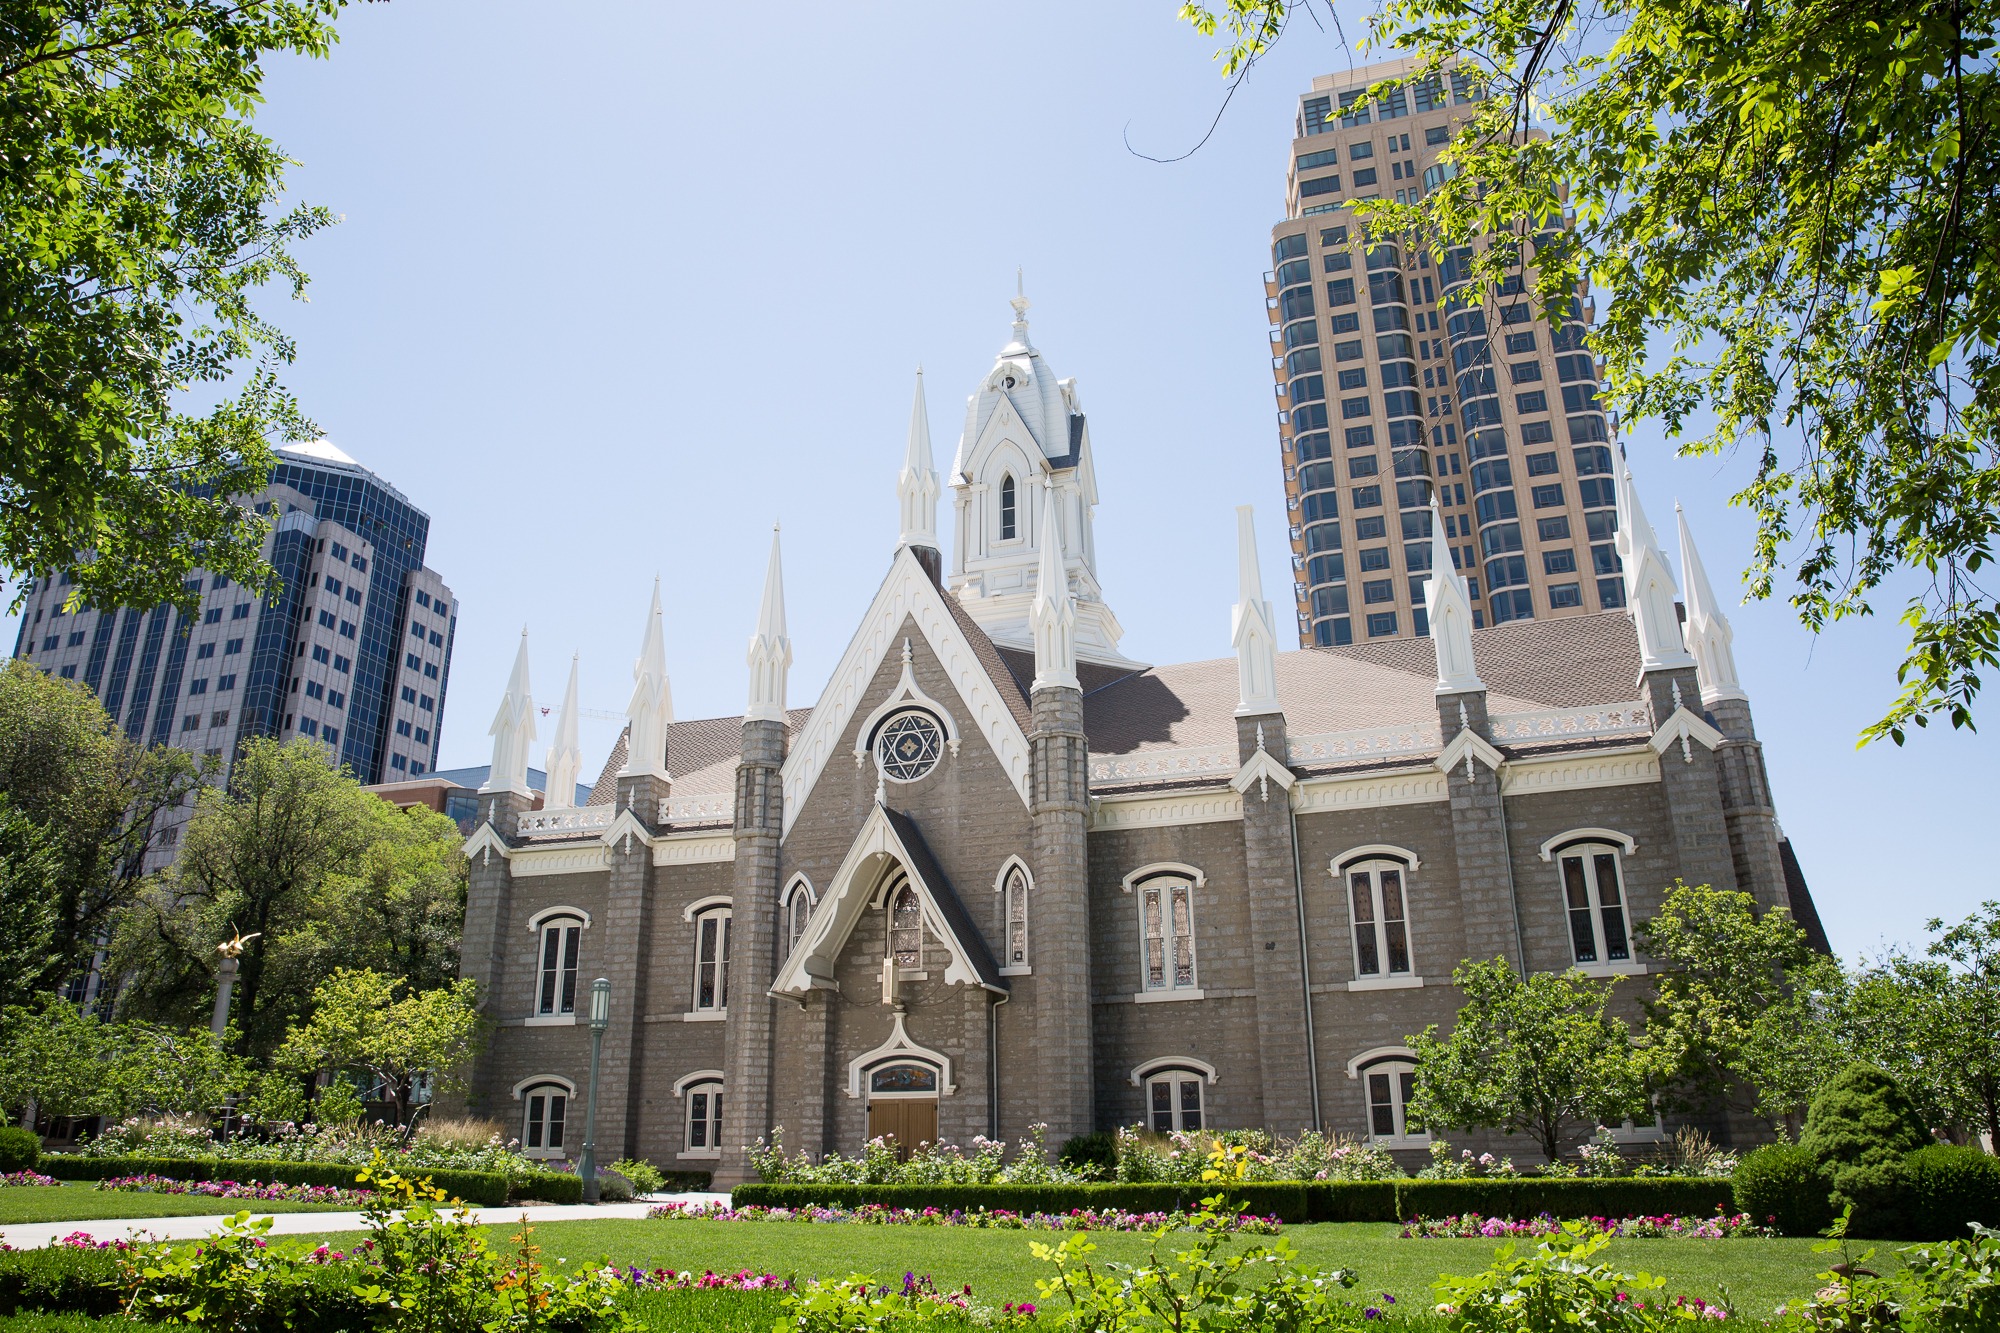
[
  {"x": 478, "y": 1187},
  {"x": 1557, "y": 1285},
  {"x": 1859, "y": 1128},
  {"x": 645, "y": 1177},
  {"x": 1098, "y": 1148},
  {"x": 1949, "y": 1188},
  {"x": 62, "y": 1277},
  {"x": 549, "y": 1187},
  {"x": 1530, "y": 1196},
  {"x": 20, "y": 1149},
  {"x": 1783, "y": 1186}
]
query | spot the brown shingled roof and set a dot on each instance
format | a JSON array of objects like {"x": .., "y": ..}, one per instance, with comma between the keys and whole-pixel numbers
[{"x": 701, "y": 755}]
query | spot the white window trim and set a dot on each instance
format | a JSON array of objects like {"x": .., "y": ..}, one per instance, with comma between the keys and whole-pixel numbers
[
  {"x": 1168, "y": 996},
  {"x": 1158, "y": 868},
  {"x": 541, "y": 922},
  {"x": 799, "y": 885},
  {"x": 1630, "y": 966},
  {"x": 1023, "y": 503},
  {"x": 1007, "y": 868},
  {"x": 1134, "y": 882},
  {"x": 875, "y": 1096},
  {"x": 700, "y": 906},
  {"x": 1161, "y": 1064},
  {"x": 548, "y": 1020},
  {"x": 708, "y": 907},
  {"x": 1166, "y": 1071},
  {"x": 1374, "y": 851},
  {"x": 705, "y": 1078},
  {"x": 536, "y": 921},
  {"x": 1404, "y": 981},
  {"x": 898, "y": 1048},
  {"x": 906, "y": 695},
  {"x": 521, "y": 1091},
  {"x": 1359, "y": 1068},
  {"x": 1384, "y": 979},
  {"x": 540, "y": 1080},
  {"x": 1562, "y": 841}
]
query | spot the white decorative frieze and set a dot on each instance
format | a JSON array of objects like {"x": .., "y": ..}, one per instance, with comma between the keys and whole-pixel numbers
[
  {"x": 590, "y": 819},
  {"x": 1333, "y": 747},
  {"x": 1619, "y": 768},
  {"x": 530, "y": 861},
  {"x": 1419, "y": 787},
  {"x": 1164, "y": 765},
  {"x": 1207, "y": 807},
  {"x": 713, "y": 808},
  {"x": 696, "y": 849},
  {"x": 1633, "y": 719}
]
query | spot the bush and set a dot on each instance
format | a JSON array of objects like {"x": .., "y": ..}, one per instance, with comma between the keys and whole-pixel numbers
[
  {"x": 478, "y": 1187},
  {"x": 1948, "y": 1189},
  {"x": 1528, "y": 1196},
  {"x": 60, "y": 1277},
  {"x": 549, "y": 1187},
  {"x": 645, "y": 1177},
  {"x": 1557, "y": 1285},
  {"x": 1098, "y": 1149},
  {"x": 20, "y": 1148},
  {"x": 1782, "y": 1186},
  {"x": 1859, "y": 1128}
]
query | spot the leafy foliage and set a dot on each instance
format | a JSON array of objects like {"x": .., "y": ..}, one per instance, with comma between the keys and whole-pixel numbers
[
  {"x": 1860, "y": 1128},
  {"x": 1783, "y": 1185},
  {"x": 71, "y": 1064},
  {"x": 20, "y": 1148},
  {"x": 140, "y": 215},
  {"x": 1792, "y": 213},
  {"x": 1538, "y": 1055},
  {"x": 1561, "y": 1283},
  {"x": 360, "y": 1021}
]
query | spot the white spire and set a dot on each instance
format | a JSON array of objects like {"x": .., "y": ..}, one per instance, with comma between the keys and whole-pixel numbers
[
  {"x": 652, "y": 706},
  {"x": 1052, "y": 618},
  {"x": 513, "y": 729},
  {"x": 565, "y": 758},
  {"x": 1251, "y": 627},
  {"x": 1020, "y": 304},
  {"x": 1449, "y": 611},
  {"x": 917, "y": 485},
  {"x": 770, "y": 649},
  {"x": 1649, "y": 584},
  {"x": 1708, "y": 632}
]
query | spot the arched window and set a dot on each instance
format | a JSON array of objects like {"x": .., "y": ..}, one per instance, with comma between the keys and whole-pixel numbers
[
  {"x": 1375, "y": 891},
  {"x": 711, "y": 960},
  {"x": 1594, "y": 896},
  {"x": 906, "y": 927},
  {"x": 1009, "y": 528},
  {"x": 1015, "y": 905},
  {"x": 796, "y": 912},
  {"x": 561, "y": 940},
  {"x": 544, "y": 1113},
  {"x": 1166, "y": 933},
  {"x": 1389, "y": 1083},
  {"x": 1173, "y": 1100},
  {"x": 703, "y": 1136}
]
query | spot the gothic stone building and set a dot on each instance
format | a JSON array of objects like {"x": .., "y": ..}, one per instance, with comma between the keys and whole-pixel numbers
[{"x": 999, "y": 875}]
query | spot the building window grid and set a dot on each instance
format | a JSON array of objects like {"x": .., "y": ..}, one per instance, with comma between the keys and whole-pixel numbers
[
  {"x": 562, "y": 939},
  {"x": 1594, "y": 898},
  {"x": 1166, "y": 924},
  {"x": 1376, "y": 891},
  {"x": 711, "y": 961}
]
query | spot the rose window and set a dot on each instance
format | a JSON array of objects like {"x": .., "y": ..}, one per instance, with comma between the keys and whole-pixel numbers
[{"x": 908, "y": 746}]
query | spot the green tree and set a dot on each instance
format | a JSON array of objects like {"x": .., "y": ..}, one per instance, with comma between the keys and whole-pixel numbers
[
  {"x": 1800, "y": 1040},
  {"x": 1791, "y": 213},
  {"x": 409, "y": 1044},
  {"x": 29, "y": 866},
  {"x": 324, "y": 873},
  {"x": 140, "y": 215},
  {"x": 1725, "y": 965},
  {"x": 67, "y": 1063},
  {"x": 1538, "y": 1056},
  {"x": 1944, "y": 1010},
  {"x": 96, "y": 798}
]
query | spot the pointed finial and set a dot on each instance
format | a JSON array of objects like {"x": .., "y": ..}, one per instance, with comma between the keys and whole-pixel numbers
[
  {"x": 1707, "y": 634},
  {"x": 565, "y": 757},
  {"x": 1052, "y": 617},
  {"x": 1448, "y": 608},
  {"x": 513, "y": 730},
  {"x": 1649, "y": 584},
  {"x": 917, "y": 483},
  {"x": 1252, "y": 627},
  {"x": 770, "y": 656},
  {"x": 1020, "y": 304},
  {"x": 651, "y": 708}
]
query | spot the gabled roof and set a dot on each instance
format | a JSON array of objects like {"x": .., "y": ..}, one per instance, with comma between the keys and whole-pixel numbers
[{"x": 950, "y": 906}]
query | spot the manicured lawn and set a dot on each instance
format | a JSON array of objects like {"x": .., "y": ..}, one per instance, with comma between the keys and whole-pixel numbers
[
  {"x": 1760, "y": 1274},
  {"x": 82, "y": 1201}
]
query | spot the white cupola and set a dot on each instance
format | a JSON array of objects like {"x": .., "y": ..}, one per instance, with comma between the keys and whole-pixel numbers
[{"x": 1023, "y": 461}]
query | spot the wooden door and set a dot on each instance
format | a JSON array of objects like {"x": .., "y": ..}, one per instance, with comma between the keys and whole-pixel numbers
[{"x": 910, "y": 1121}]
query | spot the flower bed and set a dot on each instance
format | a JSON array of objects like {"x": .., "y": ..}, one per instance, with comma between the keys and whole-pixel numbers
[
  {"x": 1473, "y": 1226},
  {"x": 237, "y": 1189},
  {"x": 997, "y": 1219},
  {"x": 27, "y": 1178},
  {"x": 666, "y": 1279}
]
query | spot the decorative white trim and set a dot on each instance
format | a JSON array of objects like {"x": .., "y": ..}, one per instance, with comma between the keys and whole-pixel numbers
[
  {"x": 1013, "y": 862},
  {"x": 1466, "y": 747},
  {"x": 700, "y": 905},
  {"x": 1601, "y": 971},
  {"x": 899, "y": 1046},
  {"x": 549, "y": 1021},
  {"x": 1369, "y": 851},
  {"x": 1176, "y": 869},
  {"x": 1161, "y": 1064},
  {"x": 1613, "y": 836},
  {"x": 1628, "y": 719},
  {"x": 905, "y": 695},
  {"x": 907, "y": 593},
  {"x": 705, "y": 1016},
  {"x": 1684, "y": 726},
  {"x": 1386, "y": 983},
  {"x": 1167, "y": 996},
  {"x": 1164, "y": 765},
  {"x": 1627, "y": 767},
  {"x": 713, "y": 808},
  {"x": 549, "y": 913},
  {"x": 625, "y": 828},
  {"x": 680, "y": 849},
  {"x": 543, "y": 1080},
  {"x": 1113, "y": 813},
  {"x": 1364, "y": 743},
  {"x": 568, "y": 860},
  {"x": 1261, "y": 770},
  {"x": 484, "y": 842},
  {"x": 1375, "y": 1054},
  {"x": 584, "y": 820},
  {"x": 1420, "y": 787}
]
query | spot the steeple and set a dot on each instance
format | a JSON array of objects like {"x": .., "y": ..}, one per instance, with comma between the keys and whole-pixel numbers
[
  {"x": 1649, "y": 584},
  {"x": 917, "y": 485},
  {"x": 565, "y": 758},
  {"x": 1449, "y": 611},
  {"x": 1708, "y": 632},
  {"x": 770, "y": 649},
  {"x": 513, "y": 729},
  {"x": 1020, "y": 304},
  {"x": 1053, "y": 615},
  {"x": 652, "y": 706},
  {"x": 1251, "y": 628}
]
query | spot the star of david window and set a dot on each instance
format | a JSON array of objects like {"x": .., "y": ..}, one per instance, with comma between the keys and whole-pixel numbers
[{"x": 908, "y": 746}]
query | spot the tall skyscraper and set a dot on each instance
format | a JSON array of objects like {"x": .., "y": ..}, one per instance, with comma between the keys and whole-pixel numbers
[
  {"x": 354, "y": 649},
  {"x": 1382, "y": 397}
]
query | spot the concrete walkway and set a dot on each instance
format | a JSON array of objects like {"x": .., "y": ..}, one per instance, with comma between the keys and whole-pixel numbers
[{"x": 34, "y": 1235}]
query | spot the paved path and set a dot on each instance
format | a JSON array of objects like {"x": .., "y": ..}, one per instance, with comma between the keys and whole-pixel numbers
[{"x": 34, "y": 1235}]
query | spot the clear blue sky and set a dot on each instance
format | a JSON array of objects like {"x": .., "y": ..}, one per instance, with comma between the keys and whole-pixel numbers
[{"x": 619, "y": 284}]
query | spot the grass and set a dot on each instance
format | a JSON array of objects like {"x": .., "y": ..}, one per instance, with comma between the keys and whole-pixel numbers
[{"x": 82, "y": 1201}]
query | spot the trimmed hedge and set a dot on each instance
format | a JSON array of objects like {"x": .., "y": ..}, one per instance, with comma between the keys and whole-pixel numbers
[
  {"x": 679, "y": 1182},
  {"x": 61, "y": 1279},
  {"x": 19, "y": 1148},
  {"x": 1782, "y": 1185},
  {"x": 488, "y": 1188},
  {"x": 1297, "y": 1201},
  {"x": 1948, "y": 1187},
  {"x": 549, "y": 1187}
]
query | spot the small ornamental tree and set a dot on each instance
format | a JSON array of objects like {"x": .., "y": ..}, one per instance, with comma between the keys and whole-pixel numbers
[
  {"x": 1861, "y": 1126},
  {"x": 1535, "y": 1056},
  {"x": 360, "y": 1022}
]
